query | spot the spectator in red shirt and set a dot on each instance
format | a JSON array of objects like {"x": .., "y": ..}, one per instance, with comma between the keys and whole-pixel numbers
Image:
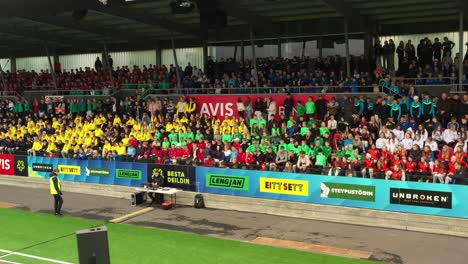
[
  {"x": 249, "y": 157},
  {"x": 375, "y": 153},
  {"x": 208, "y": 162},
  {"x": 410, "y": 169},
  {"x": 395, "y": 173},
  {"x": 439, "y": 172},
  {"x": 380, "y": 168},
  {"x": 173, "y": 152},
  {"x": 241, "y": 156},
  {"x": 200, "y": 155},
  {"x": 368, "y": 166},
  {"x": 425, "y": 172}
]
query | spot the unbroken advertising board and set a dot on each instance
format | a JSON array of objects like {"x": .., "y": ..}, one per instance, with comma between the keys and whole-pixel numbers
[
  {"x": 425, "y": 198},
  {"x": 347, "y": 191},
  {"x": 69, "y": 169},
  {"x": 284, "y": 186},
  {"x": 128, "y": 174},
  {"x": 7, "y": 164},
  {"x": 181, "y": 177},
  {"x": 232, "y": 182},
  {"x": 225, "y": 106}
]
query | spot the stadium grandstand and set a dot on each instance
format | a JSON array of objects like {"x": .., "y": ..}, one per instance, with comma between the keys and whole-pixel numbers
[{"x": 371, "y": 91}]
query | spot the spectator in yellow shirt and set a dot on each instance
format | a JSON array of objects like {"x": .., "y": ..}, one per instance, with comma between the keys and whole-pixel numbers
[{"x": 36, "y": 147}]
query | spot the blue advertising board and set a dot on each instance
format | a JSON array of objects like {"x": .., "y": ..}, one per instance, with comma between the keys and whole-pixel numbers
[
  {"x": 92, "y": 171},
  {"x": 400, "y": 196}
]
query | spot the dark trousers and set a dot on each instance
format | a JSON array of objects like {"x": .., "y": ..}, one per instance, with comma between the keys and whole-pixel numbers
[
  {"x": 157, "y": 198},
  {"x": 58, "y": 202}
]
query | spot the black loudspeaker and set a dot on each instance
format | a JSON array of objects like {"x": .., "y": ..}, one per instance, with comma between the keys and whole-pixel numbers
[
  {"x": 199, "y": 201},
  {"x": 138, "y": 198},
  {"x": 93, "y": 246}
]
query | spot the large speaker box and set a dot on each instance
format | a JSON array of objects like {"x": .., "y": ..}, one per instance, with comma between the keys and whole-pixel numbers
[
  {"x": 138, "y": 198},
  {"x": 93, "y": 246}
]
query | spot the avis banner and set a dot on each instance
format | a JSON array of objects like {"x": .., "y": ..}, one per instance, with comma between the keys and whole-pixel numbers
[
  {"x": 225, "y": 105},
  {"x": 13, "y": 165}
]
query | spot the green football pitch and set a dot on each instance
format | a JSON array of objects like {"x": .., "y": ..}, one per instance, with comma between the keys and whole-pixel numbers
[{"x": 133, "y": 244}]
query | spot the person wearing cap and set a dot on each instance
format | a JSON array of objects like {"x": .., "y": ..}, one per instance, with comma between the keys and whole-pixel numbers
[{"x": 56, "y": 191}]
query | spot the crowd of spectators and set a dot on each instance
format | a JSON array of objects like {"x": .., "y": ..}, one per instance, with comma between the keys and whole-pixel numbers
[
  {"x": 399, "y": 137},
  {"x": 428, "y": 60},
  {"x": 429, "y": 63}
]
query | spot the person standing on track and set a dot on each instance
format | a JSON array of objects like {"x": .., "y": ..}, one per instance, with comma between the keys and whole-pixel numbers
[{"x": 56, "y": 191}]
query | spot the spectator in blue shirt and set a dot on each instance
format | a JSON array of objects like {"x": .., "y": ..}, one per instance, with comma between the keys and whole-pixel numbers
[
  {"x": 394, "y": 90},
  {"x": 358, "y": 106},
  {"x": 131, "y": 151},
  {"x": 395, "y": 110}
]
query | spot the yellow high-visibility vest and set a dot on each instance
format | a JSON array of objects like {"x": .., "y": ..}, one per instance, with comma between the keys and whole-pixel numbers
[{"x": 52, "y": 187}]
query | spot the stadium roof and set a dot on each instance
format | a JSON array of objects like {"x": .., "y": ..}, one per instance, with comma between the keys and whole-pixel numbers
[{"x": 26, "y": 25}]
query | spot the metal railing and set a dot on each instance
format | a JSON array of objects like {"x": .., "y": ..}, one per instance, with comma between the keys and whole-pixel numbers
[
  {"x": 68, "y": 93},
  {"x": 259, "y": 90}
]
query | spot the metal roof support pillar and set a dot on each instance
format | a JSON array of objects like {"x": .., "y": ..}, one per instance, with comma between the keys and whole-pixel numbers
[
  {"x": 56, "y": 59},
  {"x": 205, "y": 55},
  {"x": 348, "y": 66},
  {"x": 279, "y": 47},
  {"x": 367, "y": 45},
  {"x": 51, "y": 67},
  {"x": 3, "y": 79},
  {"x": 109, "y": 68},
  {"x": 303, "y": 48},
  {"x": 158, "y": 51},
  {"x": 242, "y": 51},
  {"x": 320, "y": 46},
  {"x": 175, "y": 60},
  {"x": 460, "y": 55},
  {"x": 254, "y": 58},
  {"x": 235, "y": 52},
  {"x": 13, "y": 64}
]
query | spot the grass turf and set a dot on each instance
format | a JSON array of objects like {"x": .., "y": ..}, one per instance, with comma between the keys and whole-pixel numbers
[{"x": 136, "y": 244}]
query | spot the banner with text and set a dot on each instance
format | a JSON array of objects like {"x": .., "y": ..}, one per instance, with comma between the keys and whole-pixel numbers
[
  {"x": 93, "y": 171},
  {"x": 180, "y": 177},
  {"x": 13, "y": 165},
  {"x": 225, "y": 105},
  {"x": 400, "y": 196}
]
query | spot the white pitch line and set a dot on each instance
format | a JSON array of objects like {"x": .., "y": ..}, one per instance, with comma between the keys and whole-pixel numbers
[
  {"x": 30, "y": 256},
  {"x": 9, "y": 262}
]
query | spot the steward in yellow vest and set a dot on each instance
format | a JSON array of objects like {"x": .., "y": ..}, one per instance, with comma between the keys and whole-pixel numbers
[{"x": 56, "y": 191}]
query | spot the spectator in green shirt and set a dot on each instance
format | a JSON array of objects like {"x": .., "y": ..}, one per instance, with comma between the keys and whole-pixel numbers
[
  {"x": 304, "y": 129},
  {"x": 227, "y": 137},
  {"x": 300, "y": 109},
  {"x": 323, "y": 129},
  {"x": 327, "y": 149},
  {"x": 261, "y": 122},
  {"x": 310, "y": 107},
  {"x": 81, "y": 106},
  {"x": 320, "y": 160},
  {"x": 304, "y": 147},
  {"x": 199, "y": 135},
  {"x": 27, "y": 106}
]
